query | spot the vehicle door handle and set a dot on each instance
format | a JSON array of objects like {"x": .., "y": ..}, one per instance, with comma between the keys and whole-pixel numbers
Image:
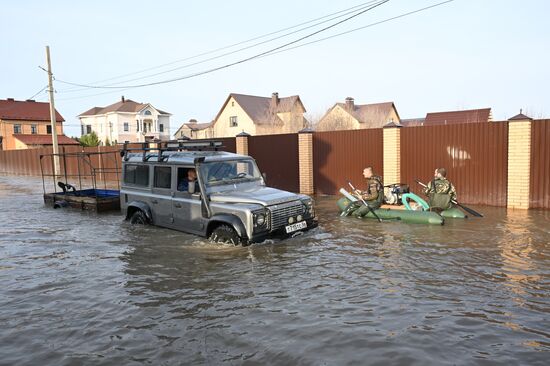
[
  {"x": 177, "y": 205},
  {"x": 154, "y": 201}
]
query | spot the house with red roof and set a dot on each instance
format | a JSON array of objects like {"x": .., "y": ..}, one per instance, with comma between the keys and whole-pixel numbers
[
  {"x": 482, "y": 115},
  {"x": 351, "y": 116},
  {"x": 25, "y": 124},
  {"x": 126, "y": 120},
  {"x": 258, "y": 115}
]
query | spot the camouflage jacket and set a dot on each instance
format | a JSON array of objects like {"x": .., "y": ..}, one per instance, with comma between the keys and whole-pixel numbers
[
  {"x": 375, "y": 189},
  {"x": 441, "y": 186}
]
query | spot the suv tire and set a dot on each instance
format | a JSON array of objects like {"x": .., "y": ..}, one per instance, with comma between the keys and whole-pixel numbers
[
  {"x": 138, "y": 218},
  {"x": 225, "y": 234}
]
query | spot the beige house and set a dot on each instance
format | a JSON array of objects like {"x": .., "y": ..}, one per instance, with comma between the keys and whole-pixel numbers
[
  {"x": 126, "y": 120},
  {"x": 25, "y": 124},
  {"x": 259, "y": 115},
  {"x": 350, "y": 116},
  {"x": 195, "y": 130}
]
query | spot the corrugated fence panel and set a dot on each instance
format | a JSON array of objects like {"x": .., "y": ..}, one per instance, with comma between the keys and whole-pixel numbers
[
  {"x": 277, "y": 156},
  {"x": 540, "y": 164},
  {"x": 475, "y": 156},
  {"x": 339, "y": 156}
]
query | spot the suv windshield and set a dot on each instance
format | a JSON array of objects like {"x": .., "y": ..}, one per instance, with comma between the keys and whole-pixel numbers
[{"x": 229, "y": 172}]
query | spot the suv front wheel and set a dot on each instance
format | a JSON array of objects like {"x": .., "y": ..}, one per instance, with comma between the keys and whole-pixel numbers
[
  {"x": 138, "y": 218},
  {"x": 225, "y": 234}
]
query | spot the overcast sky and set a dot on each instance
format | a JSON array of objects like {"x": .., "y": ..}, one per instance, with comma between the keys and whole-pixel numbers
[{"x": 464, "y": 54}]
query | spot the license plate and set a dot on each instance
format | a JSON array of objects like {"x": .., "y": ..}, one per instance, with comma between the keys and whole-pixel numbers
[{"x": 295, "y": 227}]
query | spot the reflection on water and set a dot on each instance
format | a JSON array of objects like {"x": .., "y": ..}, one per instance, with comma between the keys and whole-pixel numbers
[{"x": 80, "y": 288}]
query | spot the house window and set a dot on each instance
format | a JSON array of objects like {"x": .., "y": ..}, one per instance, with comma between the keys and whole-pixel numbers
[
  {"x": 136, "y": 174},
  {"x": 137, "y": 125},
  {"x": 16, "y": 128},
  {"x": 126, "y": 127},
  {"x": 232, "y": 104},
  {"x": 49, "y": 129},
  {"x": 33, "y": 129},
  {"x": 88, "y": 129},
  {"x": 163, "y": 177},
  {"x": 147, "y": 113},
  {"x": 161, "y": 128},
  {"x": 233, "y": 121}
]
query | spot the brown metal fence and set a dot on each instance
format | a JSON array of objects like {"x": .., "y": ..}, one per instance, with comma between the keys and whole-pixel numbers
[
  {"x": 22, "y": 162},
  {"x": 540, "y": 164},
  {"x": 475, "y": 156},
  {"x": 277, "y": 157},
  {"x": 339, "y": 156}
]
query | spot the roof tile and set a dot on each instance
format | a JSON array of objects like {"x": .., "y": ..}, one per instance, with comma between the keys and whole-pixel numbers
[{"x": 26, "y": 111}]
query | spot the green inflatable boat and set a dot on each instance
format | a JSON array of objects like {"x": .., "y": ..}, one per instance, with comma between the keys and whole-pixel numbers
[
  {"x": 412, "y": 217},
  {"x": 349, "y": 205}
]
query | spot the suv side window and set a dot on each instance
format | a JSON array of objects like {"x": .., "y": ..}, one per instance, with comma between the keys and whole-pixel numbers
[
  {"x": 163, "y": 177},
  {"x": 137, "y": 175}
]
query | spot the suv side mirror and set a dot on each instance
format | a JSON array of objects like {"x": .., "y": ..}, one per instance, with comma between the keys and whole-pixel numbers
[{"x": 191, "y": 188}]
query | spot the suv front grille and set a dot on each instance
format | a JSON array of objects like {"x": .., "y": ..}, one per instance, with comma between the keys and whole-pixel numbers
[{"x": 279, "y": 214}]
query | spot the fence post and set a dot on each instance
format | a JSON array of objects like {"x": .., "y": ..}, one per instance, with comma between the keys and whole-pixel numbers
[
  {"x": 519, "y": 161},
  {"x": 392, "y": 152},
  {"x": 241, "y": 142},
  {"x": 305, "y": 161}
]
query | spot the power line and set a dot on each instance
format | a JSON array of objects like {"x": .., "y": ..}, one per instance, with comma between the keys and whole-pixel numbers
[
  {"x": 361, "y": 28},
  {"x": 234, "y": 44},
  {"x": 38, "y": 92},
  {"x": 223, "y": 54},
  {"x": 230, "y": 64},
  {"x": 270, "y": 53}
]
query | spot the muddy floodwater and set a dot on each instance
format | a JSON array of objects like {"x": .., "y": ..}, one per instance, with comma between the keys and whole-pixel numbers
[{"x": 85, "y": 289}]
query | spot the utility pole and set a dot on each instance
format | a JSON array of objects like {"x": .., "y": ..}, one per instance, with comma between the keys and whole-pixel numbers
[{"x": 53, "y": 121}]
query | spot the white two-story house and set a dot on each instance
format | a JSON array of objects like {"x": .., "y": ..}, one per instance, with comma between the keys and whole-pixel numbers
[{"x": 126, "y": 120}]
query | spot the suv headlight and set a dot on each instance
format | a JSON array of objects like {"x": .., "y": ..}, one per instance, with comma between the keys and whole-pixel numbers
[
  {"x": 309, "y": 206},
  {"x": 260, "y": 221}
]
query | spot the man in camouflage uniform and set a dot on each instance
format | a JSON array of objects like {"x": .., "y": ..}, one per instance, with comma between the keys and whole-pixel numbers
[
  {"x": 440, "y": 191},
  {"x": 373, "y": 195}
]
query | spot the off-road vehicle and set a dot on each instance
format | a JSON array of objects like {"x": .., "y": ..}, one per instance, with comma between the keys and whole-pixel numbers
[{"x": 227, "y": 202}]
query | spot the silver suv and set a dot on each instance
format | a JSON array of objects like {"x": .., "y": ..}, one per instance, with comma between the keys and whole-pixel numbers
[{"x": 211, "y": 193}]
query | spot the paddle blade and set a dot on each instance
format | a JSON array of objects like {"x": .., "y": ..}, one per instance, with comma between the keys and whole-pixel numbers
[{"x": 469, "y": 210}]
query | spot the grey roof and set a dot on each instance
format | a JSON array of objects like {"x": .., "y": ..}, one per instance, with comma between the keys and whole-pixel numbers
[{"x": 185, "y": 157}]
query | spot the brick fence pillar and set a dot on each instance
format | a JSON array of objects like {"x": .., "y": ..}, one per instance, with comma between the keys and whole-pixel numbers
[
  {"x": 519, "y": 161},
  {"x": 241, "y": 143},
  {"x": 305, "y": 161},
  {"x": 392, "y": 153}
]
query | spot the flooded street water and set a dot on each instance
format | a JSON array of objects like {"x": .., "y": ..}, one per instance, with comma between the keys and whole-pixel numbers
[{"x": 79, "y": 288}]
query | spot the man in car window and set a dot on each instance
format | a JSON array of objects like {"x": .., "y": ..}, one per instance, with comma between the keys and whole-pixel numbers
[{"x": 183, "y": 184}]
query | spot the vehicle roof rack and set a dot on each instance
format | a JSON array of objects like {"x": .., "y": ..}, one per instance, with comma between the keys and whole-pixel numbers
[{"x": 173, "y": 145}]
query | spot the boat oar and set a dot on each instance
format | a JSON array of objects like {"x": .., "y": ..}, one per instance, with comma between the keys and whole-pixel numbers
[
  {"x": 364, "y": 202},
  {"x": 467, "y": 209}
]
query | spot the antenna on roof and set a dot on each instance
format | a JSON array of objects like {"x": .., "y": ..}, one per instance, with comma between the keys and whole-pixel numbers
[{"x": 520, "y": 111}]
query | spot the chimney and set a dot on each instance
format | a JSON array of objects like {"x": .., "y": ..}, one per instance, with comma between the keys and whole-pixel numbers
[
  {"x": 350, "y": 106},
  {"x": 122, "y": 99},
  {"x": 11, "y": 100},
  {"x": 274, "y": 100},
  {"x": 192, "y": 120}
]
